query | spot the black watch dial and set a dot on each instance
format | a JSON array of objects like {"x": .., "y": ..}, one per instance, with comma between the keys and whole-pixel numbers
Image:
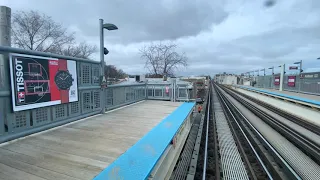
[{"x": 63, "y": 80}]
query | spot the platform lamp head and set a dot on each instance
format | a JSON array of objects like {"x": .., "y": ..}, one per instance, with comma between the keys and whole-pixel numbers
[
  {"x": 300, "y": 63},
  {"x": 272, "y": 69},
  {"x": 284, "y": 68},
  {"x": 110, "y": 26}
]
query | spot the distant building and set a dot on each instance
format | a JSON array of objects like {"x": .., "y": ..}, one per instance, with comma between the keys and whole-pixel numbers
[{"x": 227, "y": 79}]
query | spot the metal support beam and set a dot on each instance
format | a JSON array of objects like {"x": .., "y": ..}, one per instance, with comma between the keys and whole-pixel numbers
[
  {"x": 281, "y": 77},
  {"x": 5, "y": 40},
  {"x": 300, "y": 76},
  {"x": 5, "y": 26}
]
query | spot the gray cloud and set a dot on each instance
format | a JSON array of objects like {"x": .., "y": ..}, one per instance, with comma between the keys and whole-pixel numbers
[
  {"x": 218, "y": 36},
  {"x": 137, "y": 20}
]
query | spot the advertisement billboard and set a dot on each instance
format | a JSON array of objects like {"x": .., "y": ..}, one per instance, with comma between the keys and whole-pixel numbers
[
  {"x": 277, "y": 80},
  {"x": 291, "y": 81},
  {"x": 40, "y": 81},
  {"x": 312, "y": 75},
  {"x": 167, "y": 89},
  {"x": 293, "y": 67}
]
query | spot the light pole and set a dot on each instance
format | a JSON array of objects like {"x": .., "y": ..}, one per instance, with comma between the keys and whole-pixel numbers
[
  {"x": 104, "y": 51},
  {"x": 300, "y": 63},
  {"x": 283, "y": 71},
  {"x": 272, "y": 69},
  {"x": 272, "y": 81},
  {"x": 264, "y": 71}
]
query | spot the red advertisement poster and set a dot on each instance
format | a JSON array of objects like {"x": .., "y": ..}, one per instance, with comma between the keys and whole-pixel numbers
[
  {"x": 291, "y": 81},
  {"x": 277, "y": 80},
  {"x": 39, "y": 81},
  {"x": 167, "y": 89}
]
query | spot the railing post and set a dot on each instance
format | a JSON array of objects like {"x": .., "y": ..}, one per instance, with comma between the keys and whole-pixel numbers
[
  {"x": 5, "y": 40},
  {"x": 145, "y": 91}
]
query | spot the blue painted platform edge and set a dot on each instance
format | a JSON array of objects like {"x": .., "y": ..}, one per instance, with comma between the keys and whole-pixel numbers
[
  {"x": 139, "y": 160},
  {"x": 310, "y": 101}
]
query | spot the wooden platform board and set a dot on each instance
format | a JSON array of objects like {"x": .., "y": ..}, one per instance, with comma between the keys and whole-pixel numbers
[{"x": 83, "y": 149}]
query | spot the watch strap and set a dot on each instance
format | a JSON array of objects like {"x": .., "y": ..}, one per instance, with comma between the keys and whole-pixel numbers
[
  {"x": 64, "y": 96},
  {"x": 63, "y": 65}
]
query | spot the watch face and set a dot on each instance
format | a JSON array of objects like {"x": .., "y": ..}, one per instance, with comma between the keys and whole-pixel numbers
[{"x": 63, "y": 80}]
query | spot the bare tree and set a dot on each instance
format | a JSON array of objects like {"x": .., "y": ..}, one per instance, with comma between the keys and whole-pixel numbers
[
  {"x": 82, "y": 50},
  {"x": 151, "y": 54},
  {"x": 163, "y": 59},
  {"x": 35, "y": 31},
  {"x": 110, "y": 71}
]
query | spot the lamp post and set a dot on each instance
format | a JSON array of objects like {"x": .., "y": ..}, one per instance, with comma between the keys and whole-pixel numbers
[
  {"x": 104, "y": 51},
  {"x": 272, "y": 69},
  {"x": 282, "y": 76},
  {"x": 264, "y": 74},
  {"x": 300, "y": 63},
  {"x": 272, "y": 84}
]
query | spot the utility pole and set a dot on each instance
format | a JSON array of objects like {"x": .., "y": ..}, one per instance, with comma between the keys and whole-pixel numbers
[{"x": 5, "y": 40}]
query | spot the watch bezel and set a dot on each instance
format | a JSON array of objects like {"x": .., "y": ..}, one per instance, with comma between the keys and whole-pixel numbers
[{"x": 60, "y": 71}]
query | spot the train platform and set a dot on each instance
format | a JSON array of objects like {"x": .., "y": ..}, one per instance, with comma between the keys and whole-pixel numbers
[
  {"x": 297, "y": 106},
  {"x": 300, "y": 98},
  {"x": 295, "y": 94},
  {"x": 125, "y": 143}
]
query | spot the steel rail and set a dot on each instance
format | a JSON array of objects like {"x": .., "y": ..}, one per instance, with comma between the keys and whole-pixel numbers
[
  {"x": 310, "y": 126},
  {"x": 275, "y": 153},
  {"x": 305, "y": 144},
  {"x": 206, "y": 144},
  {"x": 250, "y": 168},
  {"x": 216, "y": 150}
]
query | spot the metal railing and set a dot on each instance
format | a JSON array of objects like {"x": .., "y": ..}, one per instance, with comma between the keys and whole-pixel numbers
[
  {"x": 92, "y": 99},
  {"x": 306, "y": 84},
  {"x": 169, "y": 91}
]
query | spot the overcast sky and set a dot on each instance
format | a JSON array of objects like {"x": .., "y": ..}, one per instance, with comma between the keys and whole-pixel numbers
[{"x": 232, "y": 36}]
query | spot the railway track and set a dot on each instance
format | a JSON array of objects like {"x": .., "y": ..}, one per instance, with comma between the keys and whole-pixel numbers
[
  {"x": 256, "y": 168},
  {"x": 304, "y": 143},
  {"x": 208, "y": 162},
  {"x": 243, "y": 138},
  {"x": 299, "y": 153},
  {"x": 306, "y": 124}
]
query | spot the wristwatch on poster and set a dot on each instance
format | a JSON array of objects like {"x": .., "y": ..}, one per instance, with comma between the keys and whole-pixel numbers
[{"x": 63, "y": 80}]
